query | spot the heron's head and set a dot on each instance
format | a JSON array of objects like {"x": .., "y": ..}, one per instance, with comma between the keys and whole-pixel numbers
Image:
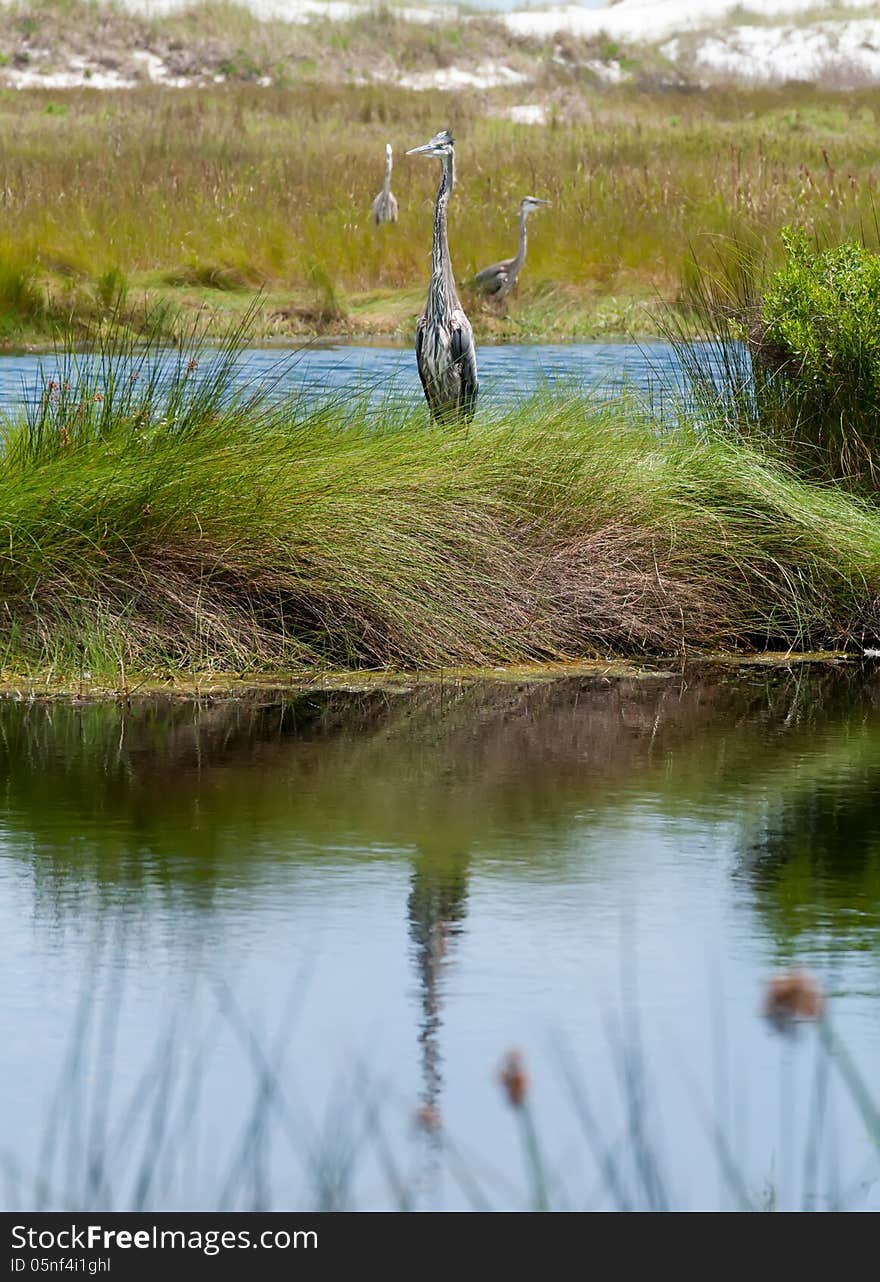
[
  {"x": 529, "y": 204},
  {"x": 441, "y": 145},
  {"x": 388, "y": 151}
]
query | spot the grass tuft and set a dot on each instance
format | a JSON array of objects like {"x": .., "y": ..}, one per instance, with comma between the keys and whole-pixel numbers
[{"x": 157, "y": 510}]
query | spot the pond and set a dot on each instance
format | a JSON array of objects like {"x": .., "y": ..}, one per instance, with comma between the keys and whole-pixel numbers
[
  {"x": 270, "y": 952},
  {"x": 389, "y": 373}
]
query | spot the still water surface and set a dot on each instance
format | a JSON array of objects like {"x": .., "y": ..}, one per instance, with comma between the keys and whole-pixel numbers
[
  {"x": 389, "y": 373},
  {"x": 246, "y": 941},
  {"x": 380, "y": 893}
]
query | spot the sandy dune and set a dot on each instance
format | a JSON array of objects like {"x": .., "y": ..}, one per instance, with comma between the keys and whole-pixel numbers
[{"x": 835, "y": 41}]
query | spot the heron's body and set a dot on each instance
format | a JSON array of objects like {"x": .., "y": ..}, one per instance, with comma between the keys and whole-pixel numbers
[
  {"x": 445, "y": 352},
  {"x": 385, "y": 204},
  {"x": 447, "y": 364},
  {"x": 498, "y": 280}
]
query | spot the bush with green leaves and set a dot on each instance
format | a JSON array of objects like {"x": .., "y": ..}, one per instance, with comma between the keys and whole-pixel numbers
[
  {"x": 817, "y": 348},
  {"x": 788, "y": 360}
]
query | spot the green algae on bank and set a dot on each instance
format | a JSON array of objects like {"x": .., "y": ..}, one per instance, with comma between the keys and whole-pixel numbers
[{"x": 231, "y": 685}]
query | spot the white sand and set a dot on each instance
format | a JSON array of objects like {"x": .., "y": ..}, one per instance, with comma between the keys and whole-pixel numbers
[
  {"x": 638, "y": 20},
  {"x": 83, "y": 73},
  {"x": 526, "y": 113},
  {"x": 488, "y": 75},
  {"x": 295, "y": 11},
  {"x": 714, "y": 36},
  {"x": 78, "y": 72},
  {"x": 849, "y": 50},
  {"x": 649, "y": 21},
  {"x": 156, "y": 71}
]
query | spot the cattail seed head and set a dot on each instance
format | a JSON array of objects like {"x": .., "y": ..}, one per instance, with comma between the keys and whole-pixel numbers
[
  {"x": 513, "y": 1078},
  {"x": 428, "y": 1118},
  {"x": 792, "y": 996}
]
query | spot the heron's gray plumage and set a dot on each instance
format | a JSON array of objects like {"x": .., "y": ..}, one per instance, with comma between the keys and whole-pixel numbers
[
  {"x": 445, "y": 352},
  {"x": 385, "y": 204},
  {"x": 498, "y": 280}
]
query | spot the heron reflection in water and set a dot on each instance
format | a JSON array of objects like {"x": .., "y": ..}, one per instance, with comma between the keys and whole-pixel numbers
[{"x": 436, "y": 909}]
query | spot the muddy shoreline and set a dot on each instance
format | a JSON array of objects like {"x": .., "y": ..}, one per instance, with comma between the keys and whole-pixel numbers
[{"x": 220, "y": 686}]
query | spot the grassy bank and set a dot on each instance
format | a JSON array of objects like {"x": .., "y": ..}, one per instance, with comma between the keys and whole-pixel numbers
[
  {"x": 154, "y": 519},
  {"x": 160, "y": 202}
]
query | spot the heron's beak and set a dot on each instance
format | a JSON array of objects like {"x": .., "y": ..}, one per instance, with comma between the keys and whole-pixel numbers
[
  {"x": 545, "y": 202},
  {"x": 416, "y": 151}
]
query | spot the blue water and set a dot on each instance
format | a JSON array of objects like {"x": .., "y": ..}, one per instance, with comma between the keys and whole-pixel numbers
[
  {"x": 384, "y": 893},
  {"x": 390, "y": 373},
  {"x": 380, "y": 894}
]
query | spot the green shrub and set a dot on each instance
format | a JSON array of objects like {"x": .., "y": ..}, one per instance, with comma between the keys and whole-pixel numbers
[
  {"x": 790, "y": 360},
  {"x": 818, "y": 343},
  {"x": 111, "y": 289},
  {"x": 20, "y": 295}
]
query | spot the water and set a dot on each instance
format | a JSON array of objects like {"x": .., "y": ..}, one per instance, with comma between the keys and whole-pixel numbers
[
  {"x": 378, "y": 894},
  {"x": 389, "y": 373},
  {"x": 366, "y": 900}
]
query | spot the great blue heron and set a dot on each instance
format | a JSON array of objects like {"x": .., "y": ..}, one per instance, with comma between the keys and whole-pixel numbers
[
  {"x": 385, "y": 204},
  {"x": 445, "y": 351},
  {"x": 498, "y": 280}
]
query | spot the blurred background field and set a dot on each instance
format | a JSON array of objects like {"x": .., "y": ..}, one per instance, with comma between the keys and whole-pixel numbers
[{"x": 259, "y": 174}]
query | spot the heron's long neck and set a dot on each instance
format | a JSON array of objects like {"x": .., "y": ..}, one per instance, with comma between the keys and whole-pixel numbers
[
  {"x": 517, "y": 263},
  {"x": 387, "y": 187},
  {"x": 442, "y": 295}
]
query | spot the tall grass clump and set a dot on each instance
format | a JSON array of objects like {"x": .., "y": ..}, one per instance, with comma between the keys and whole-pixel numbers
[
  {"x": 21, "y": 298},
  {"x": 157, "y": 510}
]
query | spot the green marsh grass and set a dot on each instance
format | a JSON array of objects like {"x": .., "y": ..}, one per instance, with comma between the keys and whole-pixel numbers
[
  {"x": 216, "y": 191},
  {"x": 157, "y": 511}
]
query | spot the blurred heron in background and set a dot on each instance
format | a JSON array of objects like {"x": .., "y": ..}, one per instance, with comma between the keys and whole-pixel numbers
[
  {"x": 498, "y": 280},
  {"x": 385, "y": 204}
]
